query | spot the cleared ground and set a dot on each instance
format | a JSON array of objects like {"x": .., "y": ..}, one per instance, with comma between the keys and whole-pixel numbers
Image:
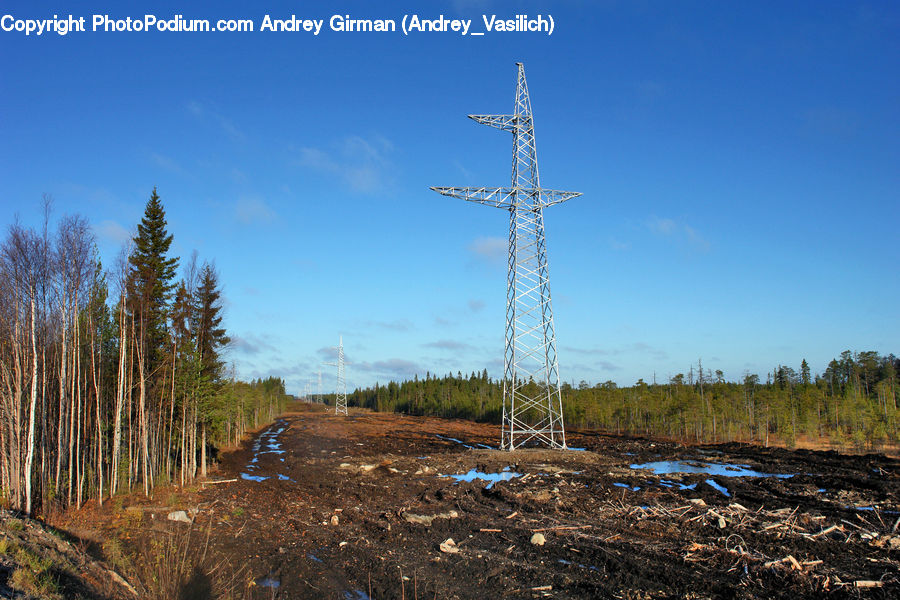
[{"x": 360, "y": 506}]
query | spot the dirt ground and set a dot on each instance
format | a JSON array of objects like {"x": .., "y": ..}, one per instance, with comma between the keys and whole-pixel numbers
[{"x": 363, "y": 506}]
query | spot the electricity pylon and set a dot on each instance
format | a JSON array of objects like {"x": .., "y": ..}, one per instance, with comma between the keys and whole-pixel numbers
[
  {"x": 319, "y": 388},
  {"x": 532, "y": 404},
  {"x": 340, "y": 392}
]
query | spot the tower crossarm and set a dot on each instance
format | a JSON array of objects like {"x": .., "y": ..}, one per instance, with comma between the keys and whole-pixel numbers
[
  {"x": 505, "y": 197},
  {"x": 502, "y": 122}
]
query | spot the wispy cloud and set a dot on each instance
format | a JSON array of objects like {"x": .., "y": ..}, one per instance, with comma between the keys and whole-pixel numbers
[
  {"x": 466, "y": 173},
  {"x": 452, "y": 345},
  {"x": 251, "y": 344},
  {"x": 634, "y": 348},
  {"x": 662, "y": 226},
  {"x": 678, "y": 231},
  {"x": 203, "y": 112},
  {"x": 393, "y": 368},
  {"x": 493, "y": 249},
  {"x": 330, "y": 353},
  {"x": 619, "y": 246},
  {"x": 253, "y": 210},
  {"x": 112, "y": 232},
  {"x": 395, "y": 325},
  {"x": 476, "y": 304},
  {"x": 166, "y": 162},
  {"x": 361, "y": 164}
]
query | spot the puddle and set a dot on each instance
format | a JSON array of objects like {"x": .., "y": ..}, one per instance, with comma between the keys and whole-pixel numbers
[
  {"x": 313, "y": 557},
  {"x": 284, "y": 477},
  {"x": 715, "y": 485},
  {"x": 504, "y": 475},
  {"x": 270, "y": 439},
  {"x": 576, "y": 449},
  {"x": 665, "y": 467},
  {"x": 450, "y": 439},
  {"x": 356, "y": 595},
  {"x": 681, "y": 486},
  {"x": 268, "y": 582},
  {"x": 569, "y": 563},
  {"x": 626, "y": 486},
  {"x": 873, "y": 509}
]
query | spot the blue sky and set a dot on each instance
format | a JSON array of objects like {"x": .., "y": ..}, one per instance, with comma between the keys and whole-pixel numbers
[{"x": 739, "y": 165}]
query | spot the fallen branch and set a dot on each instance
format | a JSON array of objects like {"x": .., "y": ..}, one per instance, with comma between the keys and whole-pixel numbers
[
  {"x": 561, "y": 527},
  {"x": 828, "y": 530},
  {"x": 863, "y": 583},
  {"x": 787, "y": 559},
  {"x": 211, "y": 482},
  {"x": 486, "y": 530}
]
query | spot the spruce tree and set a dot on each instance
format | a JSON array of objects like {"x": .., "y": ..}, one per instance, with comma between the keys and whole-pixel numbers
[
  {"x": 210, "y": 335},
  {"x": 150, "y": 282}
]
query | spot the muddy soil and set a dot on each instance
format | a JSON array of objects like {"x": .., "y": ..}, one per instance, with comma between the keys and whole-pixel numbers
[{"x": 365, "y": 506}]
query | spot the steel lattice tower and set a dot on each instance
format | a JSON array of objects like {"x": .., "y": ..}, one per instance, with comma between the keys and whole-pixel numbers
[
  {"x": 340, "y": 393},
  {"x": 532, "y": 404},
  {"x": 319, "y": 388}
]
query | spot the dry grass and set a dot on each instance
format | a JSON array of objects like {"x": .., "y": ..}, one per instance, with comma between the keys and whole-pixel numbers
[{"x": 174, "y": 564}]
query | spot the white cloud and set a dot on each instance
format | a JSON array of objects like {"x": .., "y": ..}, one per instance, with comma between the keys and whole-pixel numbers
[
  {"x": 678, "y": 231},
  {"x": 253, "y": 209},
  {"x": 204, "y": 113},
  {"x": 166, "y": 162},
  {"x": 112, "y": 232},
  {"x": 361, "y": 164},
  {"x": 662, "y": 226},
  {"x": 490, "y": 248},
  {"x": 393, "y": 368},
  {"x": 448, "y": 345},
  {"x": 251, "y": 344}
]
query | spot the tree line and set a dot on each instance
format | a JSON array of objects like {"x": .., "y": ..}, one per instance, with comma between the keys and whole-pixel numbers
[
  {"x": 111, "y": 379},
  {"x": 854, "y": 402}
]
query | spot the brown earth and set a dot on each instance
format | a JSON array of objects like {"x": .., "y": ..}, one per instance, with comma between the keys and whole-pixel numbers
[{"x": 358, "y": 507}]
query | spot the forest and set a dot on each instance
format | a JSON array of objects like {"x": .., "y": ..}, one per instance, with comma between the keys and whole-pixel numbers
[
  {"x": 112, "y": 379},
  {"x": 853, "y": 404}
]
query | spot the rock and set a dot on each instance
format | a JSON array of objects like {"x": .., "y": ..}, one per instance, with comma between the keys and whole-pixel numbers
[
  {"x": 179, "y": 515},
  {"x": 448, "y": 546},
  {"x": 697, "y": 501},
  {"x": 538, "y": 539},
  {"x": 427, "y": 519},
  {"x": 334, "y": 520},
  {"x": 721, "y": 522}
]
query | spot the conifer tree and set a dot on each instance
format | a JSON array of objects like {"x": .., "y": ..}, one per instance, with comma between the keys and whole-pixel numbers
[
  {"x": 150, "y": 280},
  {"x": 211, "y": 335}
]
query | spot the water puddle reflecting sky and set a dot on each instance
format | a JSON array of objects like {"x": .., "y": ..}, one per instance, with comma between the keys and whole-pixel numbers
[
  {"x": 504, "y": 475},
  {"x": 666, "y": 467}
]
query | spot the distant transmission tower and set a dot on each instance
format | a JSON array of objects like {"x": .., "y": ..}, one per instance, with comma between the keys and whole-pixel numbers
[
  {"x": 340, "y": 393},
  {"x": 319, "y": 388},
  {"x": 532, "y": 404}
]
